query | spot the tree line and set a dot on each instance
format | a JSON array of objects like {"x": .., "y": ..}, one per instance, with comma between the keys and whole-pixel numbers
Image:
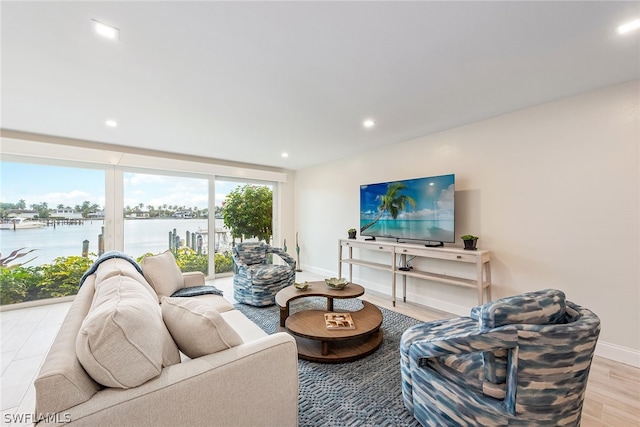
[{"x": 43, "y": 210}]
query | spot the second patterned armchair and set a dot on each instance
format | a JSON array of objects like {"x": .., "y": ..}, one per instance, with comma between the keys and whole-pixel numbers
[
  {"x": 256, "y": 282},
  {"x": 522, "y": 360}
]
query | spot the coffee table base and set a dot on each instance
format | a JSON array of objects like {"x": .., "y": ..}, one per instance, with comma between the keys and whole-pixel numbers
[{"x": 338, "y": 351}]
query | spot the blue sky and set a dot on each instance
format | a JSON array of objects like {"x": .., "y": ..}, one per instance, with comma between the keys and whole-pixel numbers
[{"x": 72, "y": 186}]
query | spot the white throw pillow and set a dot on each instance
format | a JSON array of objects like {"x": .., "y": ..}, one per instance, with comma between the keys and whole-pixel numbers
[
  {"x": 123, "y": 341},
  {"x": 162, "y": 273},
  {"x": 197, "y": 328}
]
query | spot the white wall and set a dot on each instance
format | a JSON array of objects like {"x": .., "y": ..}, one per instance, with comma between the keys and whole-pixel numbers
[{"x": 553, "y": 191}]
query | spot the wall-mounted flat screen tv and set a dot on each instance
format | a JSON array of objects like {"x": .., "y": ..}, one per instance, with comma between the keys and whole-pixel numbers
[{"x": 410, "y": 209}]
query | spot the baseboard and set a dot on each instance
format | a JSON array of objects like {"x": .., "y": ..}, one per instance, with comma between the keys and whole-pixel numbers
[
  {"x": 618, "y": 353},
  {"x": 36, "y": 303}
]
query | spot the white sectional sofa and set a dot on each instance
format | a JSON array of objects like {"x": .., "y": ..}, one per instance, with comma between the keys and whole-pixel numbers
[{"x": 116, "y": 359}]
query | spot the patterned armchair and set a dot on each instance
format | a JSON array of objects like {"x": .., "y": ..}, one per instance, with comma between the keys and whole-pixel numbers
[
  {"x": 255, "y": 282},
  {"x": 522, "y": 360}
]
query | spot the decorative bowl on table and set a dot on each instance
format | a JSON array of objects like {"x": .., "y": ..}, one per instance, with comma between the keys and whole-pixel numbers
[
  {"x": 335, "y": 283},
  {"x": 302, "y": 286}
]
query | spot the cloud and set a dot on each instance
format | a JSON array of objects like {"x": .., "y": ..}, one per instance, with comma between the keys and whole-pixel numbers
[{"x": 445, "y": 201}]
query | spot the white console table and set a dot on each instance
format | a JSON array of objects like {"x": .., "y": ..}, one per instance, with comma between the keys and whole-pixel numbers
[{"x": 481, "y": 259}]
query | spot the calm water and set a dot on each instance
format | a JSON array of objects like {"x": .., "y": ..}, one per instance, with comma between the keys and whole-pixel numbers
[
  {"x": 141, "y": 236},
  {"x": 436, "y": 230}
]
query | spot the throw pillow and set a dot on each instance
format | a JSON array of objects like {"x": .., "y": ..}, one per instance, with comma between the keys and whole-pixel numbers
[
  {"x": 196, "y": 328},
  {"x": 123, "y": 341},
  {"x": 162, "y": 273}
]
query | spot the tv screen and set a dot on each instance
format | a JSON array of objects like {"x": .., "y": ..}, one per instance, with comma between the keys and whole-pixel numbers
[{"x": 411, "y": 209}]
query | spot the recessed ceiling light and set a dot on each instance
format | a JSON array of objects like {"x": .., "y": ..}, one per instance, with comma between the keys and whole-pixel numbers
[
  {"x": 285, "y": 155},
  {"x": 111, "y": 123},
  {"x": 629, "y": 26},
  {"x": 368, "y": 123},
  {"x": 106, "y": 30}
]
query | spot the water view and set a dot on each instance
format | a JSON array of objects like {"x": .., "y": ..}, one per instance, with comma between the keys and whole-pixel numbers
[
  {"x": 141, "y": 236},
  {"x": 436, "y": 230}
]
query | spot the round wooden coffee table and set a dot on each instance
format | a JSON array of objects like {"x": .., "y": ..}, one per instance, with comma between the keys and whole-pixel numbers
[{"x": 317, "y": 343}]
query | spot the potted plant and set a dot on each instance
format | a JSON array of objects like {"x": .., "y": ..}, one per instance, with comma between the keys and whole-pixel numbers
[
  {"x": 470, "y": 242},
  {"x": 352, "y": 233}
]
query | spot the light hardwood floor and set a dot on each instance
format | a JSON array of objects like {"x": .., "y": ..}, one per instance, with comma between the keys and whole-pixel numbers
[{"x": 612, "y": 399}]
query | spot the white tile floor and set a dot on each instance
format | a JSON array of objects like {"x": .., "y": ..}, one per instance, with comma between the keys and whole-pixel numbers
[{"x": 26, "y": 335}]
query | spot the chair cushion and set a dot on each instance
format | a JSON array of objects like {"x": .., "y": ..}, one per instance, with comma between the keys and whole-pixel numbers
[
  {"x": 265, "y": 274},
  {"x": 533, "y": 308},
  {"x": 196, "y": 328},
  {"x": 123, "y": 342},
  {"x": 163, "y": 273},
  {"x": 251, "y": 253}
]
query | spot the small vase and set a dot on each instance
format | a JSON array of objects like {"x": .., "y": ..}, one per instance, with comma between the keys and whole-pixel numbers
[{"x": 352, "y": 234}]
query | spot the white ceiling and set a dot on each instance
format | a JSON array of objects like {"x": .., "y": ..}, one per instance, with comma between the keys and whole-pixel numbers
[{"x": 245, "y": 81}]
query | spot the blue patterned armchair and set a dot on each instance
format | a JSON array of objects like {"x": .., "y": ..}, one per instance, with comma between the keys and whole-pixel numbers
[
  {"x": 521, "y": 361},
  {"x": 255, "y": 282}
]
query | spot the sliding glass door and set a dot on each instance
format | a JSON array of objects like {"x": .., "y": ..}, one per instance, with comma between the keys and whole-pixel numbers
[
  {"x": 165, "y": 212},
  {"x": 57, "y": 217},
  {"x": 51, "y": 228}
]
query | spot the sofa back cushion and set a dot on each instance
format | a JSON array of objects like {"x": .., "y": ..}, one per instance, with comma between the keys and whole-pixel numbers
[
  {"x": 197, "y": 328},
  {"x": 121, "y": 267},
  {"x": 123, "y": 341},
  {"x": 162, "y": 273}
]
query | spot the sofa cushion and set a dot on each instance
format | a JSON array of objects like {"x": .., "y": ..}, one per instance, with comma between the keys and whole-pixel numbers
[
  {"x": 163, "y": 273},
  {"x": 123, "y": 341},
  {"x": 197, "y": 328},
  {"x": 244, "y": 327}
]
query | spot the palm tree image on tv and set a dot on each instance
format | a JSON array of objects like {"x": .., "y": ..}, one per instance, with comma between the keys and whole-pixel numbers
[
  {"x": 392, "y": 202},
  {"x": 411, "y": 209}
]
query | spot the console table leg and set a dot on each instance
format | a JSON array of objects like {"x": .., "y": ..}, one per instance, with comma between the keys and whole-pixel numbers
[{"x": 487, "y": 270}]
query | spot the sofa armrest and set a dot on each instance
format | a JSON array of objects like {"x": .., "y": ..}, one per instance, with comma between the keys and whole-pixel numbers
[
  {"x": 255, "y": 383},
  {"x": 193, "y": 278}
]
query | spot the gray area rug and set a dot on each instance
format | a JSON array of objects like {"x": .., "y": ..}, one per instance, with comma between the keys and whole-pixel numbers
[{"x": 365, "y": 392}]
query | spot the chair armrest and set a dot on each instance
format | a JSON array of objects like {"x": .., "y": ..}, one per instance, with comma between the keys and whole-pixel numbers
[
  {"x": 239, "y": 265},
  {"x": 285, "y": 256},
  {"x": 475, "y": 312},
  {"x": 193, "y": 278},
  {"x": 465, "y": 342}
]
